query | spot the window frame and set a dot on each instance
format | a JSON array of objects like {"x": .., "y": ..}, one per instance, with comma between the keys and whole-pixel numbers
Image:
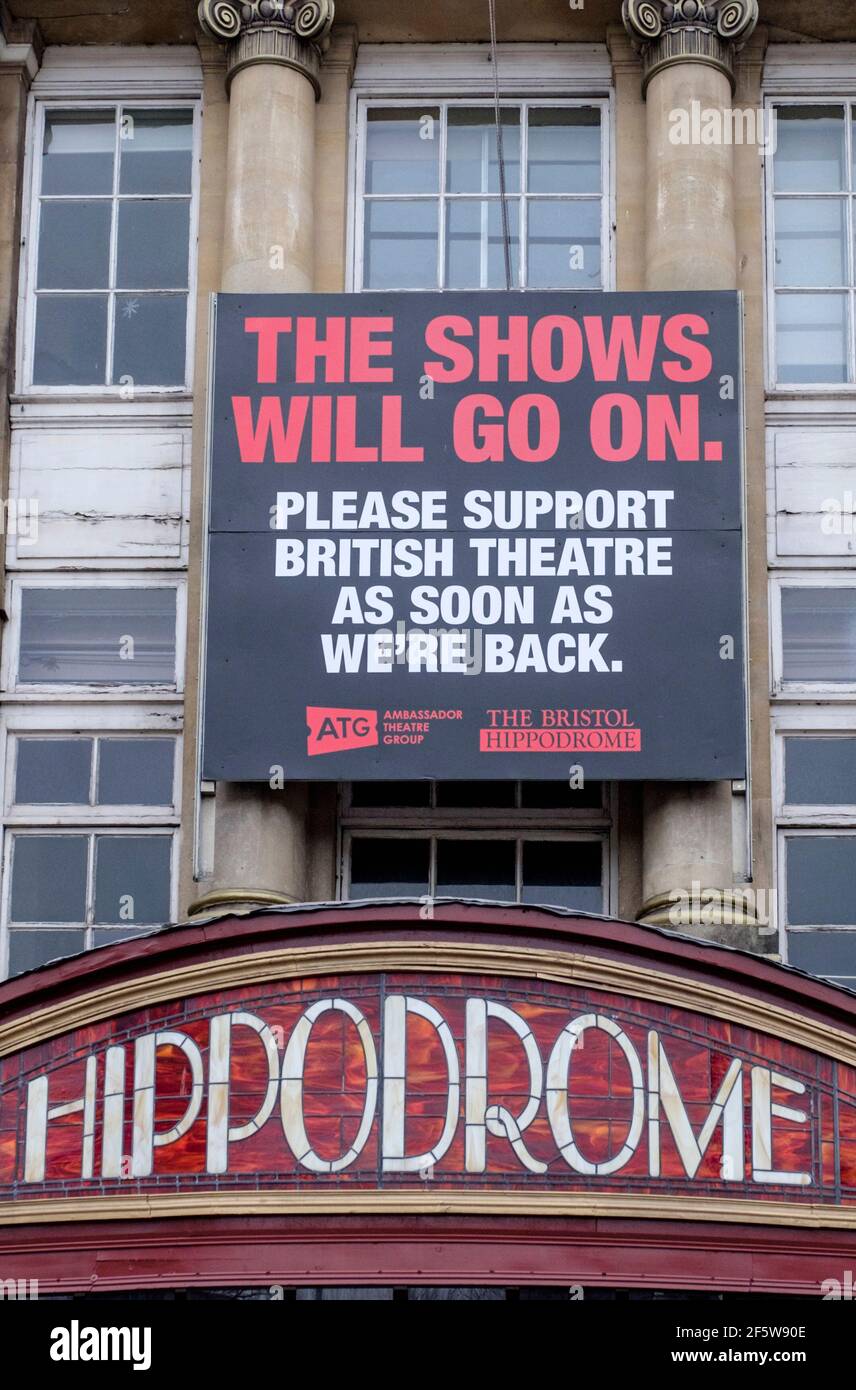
[
  {"x": 89, "y": 830},
  {"x": 781, "y": 689},
  {"x": 810, "y": 724},
  {"x": 793, "y": 821},
  {"x": 795, "y": 832},
  {"x": 54, "y": 813},
  {"x": 46, "y": 693},
  {"x": 362, "y": 101},
  {"x": 585, "y": 824},
  {"x": 38, "y": 106},
  {"x": 777, "y": 389},
  {"x": 93, "y": 721}
]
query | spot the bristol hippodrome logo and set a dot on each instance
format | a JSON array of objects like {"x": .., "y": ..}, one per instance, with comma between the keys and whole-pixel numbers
[{"x": 527, "y": 1083}]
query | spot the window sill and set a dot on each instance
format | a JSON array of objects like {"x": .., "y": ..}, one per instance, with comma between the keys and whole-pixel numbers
[
  {"x": 51, "y": 695},
  {"x": 161, "y": 405},
  {"x": 811, "y": 406}
]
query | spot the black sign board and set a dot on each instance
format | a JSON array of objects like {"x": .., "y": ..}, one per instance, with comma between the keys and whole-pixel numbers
[{"x": 483, "y": 535}]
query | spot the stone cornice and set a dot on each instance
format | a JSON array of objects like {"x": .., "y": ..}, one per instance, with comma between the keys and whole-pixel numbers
[
  {"x": 666, "y": 32},
  {"x": 21, "y": 44},
  {"x": 293, "y": 35}
]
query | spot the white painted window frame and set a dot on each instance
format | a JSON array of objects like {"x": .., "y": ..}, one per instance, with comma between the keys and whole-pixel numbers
[
  {"x": 838, "y": 692},
  {"x": 794, "y": 820},
  {"x": 522, "y": 198},
  {"x": 25, "y": 388},
  {"x": 64, "y": 813},
  {"x": 87, "y": 721},
  {"x": 569, "y": 75},
  {"x": 793, "y": 832},
  {"x": 799, "y": 90},
  {"x": 47, "y": 694},
  {"x": 123, "y": 827}
]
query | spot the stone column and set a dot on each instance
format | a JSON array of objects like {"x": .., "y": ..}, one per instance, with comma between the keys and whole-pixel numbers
[
  {"x": 273, "y": 58},
  {"x": 687, "y": 50}
]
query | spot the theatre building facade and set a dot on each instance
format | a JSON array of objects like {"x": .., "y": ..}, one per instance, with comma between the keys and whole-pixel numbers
[{"x": 428, "y": 656}]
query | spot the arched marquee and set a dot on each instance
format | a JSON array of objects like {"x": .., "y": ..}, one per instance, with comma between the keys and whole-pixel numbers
[{"x": 350, "y": 1094}]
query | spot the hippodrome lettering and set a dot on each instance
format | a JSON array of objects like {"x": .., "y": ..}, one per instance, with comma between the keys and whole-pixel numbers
[{"x": 748, "y": 1102}]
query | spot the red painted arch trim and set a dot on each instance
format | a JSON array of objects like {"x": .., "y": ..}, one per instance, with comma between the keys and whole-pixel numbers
[
  {"x": 224, "y": 1252},
  {"x": 538, "y": 928}
]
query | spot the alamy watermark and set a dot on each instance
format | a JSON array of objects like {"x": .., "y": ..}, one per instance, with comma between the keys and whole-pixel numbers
[
  {"x": 724, "y": 907},
  {"x": 18, "y": 1290},
  {"x": 839, "y": 1289},
  {"x": 723, "y": 125}
]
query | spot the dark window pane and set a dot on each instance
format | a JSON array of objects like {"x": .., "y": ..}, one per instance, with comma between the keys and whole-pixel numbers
[
  {"x": 117, "y": 636},
  {"x": 53, "y": 771},
  {"x": 830, "y": 953},
  {"x": 401, "y": 245},
  {"x": 472, "y": 165},
  {"x": 74, "y": 246},
  {"x": 476, "y": 794},
  {"x": 71, "y": 340},
  {"x": 476, "y": 869},
  {"x": 821, "y": 879},
  {"x": 78, "y": 152},
  {"x": 402, "y": 150},
  {"x": 154, "y": 244},
  {"x": 820, "y": 771},
  {"x": 135, "y": 771},
  {"x": 390, "y": 793},
  {"x": 564, "y": 150},
  {"x": 560, "y": 795},
  {"x": 29, "y": 949},
  {"x": 809, "y": 155},
  {"x": 132, "y": 878},
  {"x": 389, "y": 868},
  {"x": 49, "y": 878},
  {"x": 811, "y": 338},
  {"x": 475, "y": 245},
  {"x": 150, "y": 339},
  {"x": 819, "y": 634},
  {"x": 155, "y": 151},
  {"x": 564, "y": 873},
  {"x": 563, "y": 245}
]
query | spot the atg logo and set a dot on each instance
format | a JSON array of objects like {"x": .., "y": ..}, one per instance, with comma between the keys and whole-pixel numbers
[{"x": 337, "y": 730}]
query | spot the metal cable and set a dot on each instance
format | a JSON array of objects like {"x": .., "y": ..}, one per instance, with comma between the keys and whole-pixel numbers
[{"x": 506, "y": 240}]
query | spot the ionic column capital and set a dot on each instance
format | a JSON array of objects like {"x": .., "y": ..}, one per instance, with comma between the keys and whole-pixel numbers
[
  {"x": 688, "y": 31},
  {"x": 291, "y": 33}
]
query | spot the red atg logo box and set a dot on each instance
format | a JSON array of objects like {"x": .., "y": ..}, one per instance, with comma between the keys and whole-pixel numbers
[{"x": 337, "y": 730}]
